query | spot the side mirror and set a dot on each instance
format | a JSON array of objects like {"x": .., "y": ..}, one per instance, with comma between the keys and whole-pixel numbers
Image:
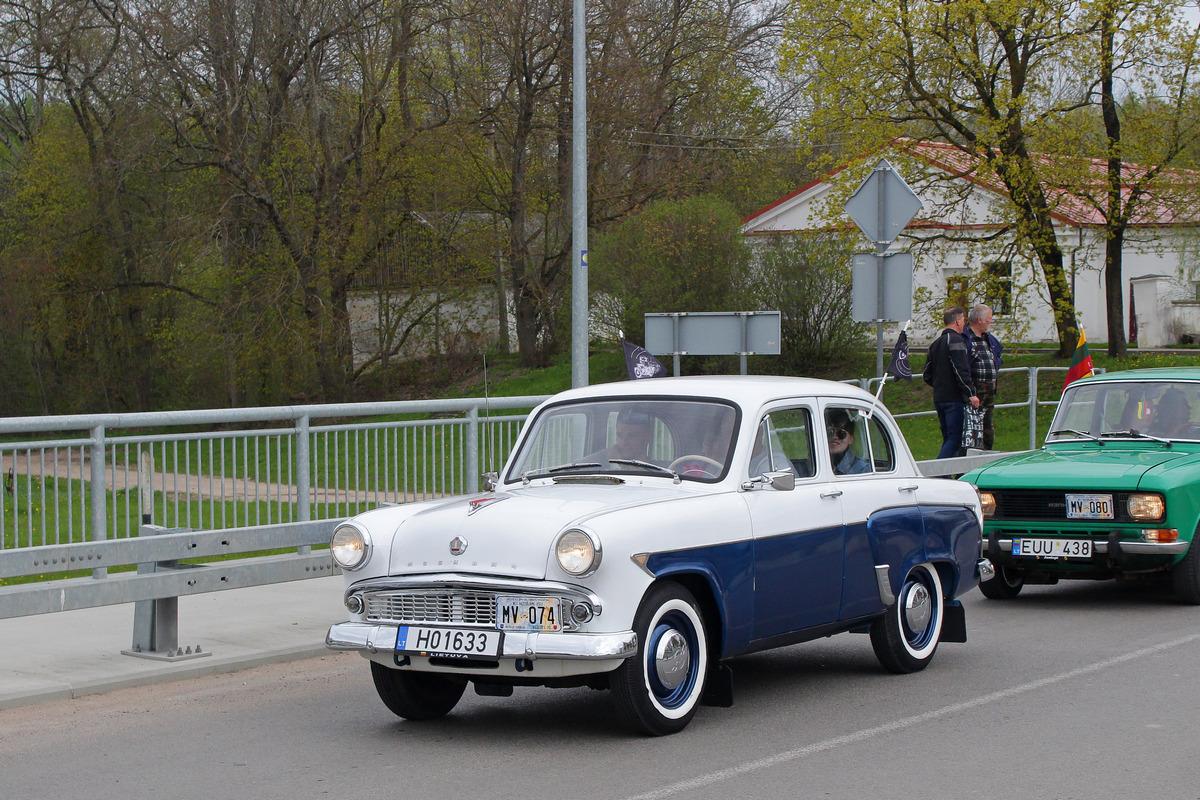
[
  {"x": 781, "y": 481},
  {"x": 491, "y": 480}
]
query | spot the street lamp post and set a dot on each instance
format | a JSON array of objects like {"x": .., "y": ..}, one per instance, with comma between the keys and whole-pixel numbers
[{"x": 579, "y": 247}]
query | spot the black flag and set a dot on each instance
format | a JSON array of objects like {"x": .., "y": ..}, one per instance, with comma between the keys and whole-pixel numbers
[
  {"x": 898, "y": 365},
  {"x": 640, "y": 364}
]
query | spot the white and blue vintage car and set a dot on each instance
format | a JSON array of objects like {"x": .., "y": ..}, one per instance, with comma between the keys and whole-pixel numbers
[{"x": 642, "y": 534}]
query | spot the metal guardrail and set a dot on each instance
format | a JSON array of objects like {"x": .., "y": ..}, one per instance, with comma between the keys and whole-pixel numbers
[
  {"x": 158, "y": 552},
  {"x": 81, "y": 493},
  {"x": 953, "y": 467}
]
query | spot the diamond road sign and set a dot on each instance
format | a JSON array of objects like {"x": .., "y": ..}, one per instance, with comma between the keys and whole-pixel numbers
[{"x": 883, "y": 204}]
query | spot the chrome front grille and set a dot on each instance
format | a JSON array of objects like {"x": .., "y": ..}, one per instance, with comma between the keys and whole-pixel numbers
[{"x": 454, "y": 608}]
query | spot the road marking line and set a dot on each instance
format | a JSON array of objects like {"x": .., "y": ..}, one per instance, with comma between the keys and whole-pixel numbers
[{"x": 852, "y": 738}]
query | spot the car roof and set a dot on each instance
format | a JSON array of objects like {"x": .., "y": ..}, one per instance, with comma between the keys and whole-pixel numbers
[
  {"x": 1149, "y": 374},
  {"x": 745, "y": 390}
]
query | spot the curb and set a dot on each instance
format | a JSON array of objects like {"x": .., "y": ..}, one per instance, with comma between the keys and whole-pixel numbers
[{"x": 169, "y": 672}]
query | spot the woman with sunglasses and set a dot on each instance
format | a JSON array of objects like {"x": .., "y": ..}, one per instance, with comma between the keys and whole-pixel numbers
[{"x": 840, "y": 432}]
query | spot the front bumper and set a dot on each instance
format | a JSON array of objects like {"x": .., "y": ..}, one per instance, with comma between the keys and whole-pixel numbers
[
  {"x": 1114, "y": 546},
  {"x": 984, "y": 570},
  {"x": 371, "y": 638}
]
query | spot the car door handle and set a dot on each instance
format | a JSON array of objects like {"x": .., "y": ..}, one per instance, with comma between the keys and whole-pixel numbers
[
  {"x": 832, "y": 493},
  {"x": 912, "y": 487}
]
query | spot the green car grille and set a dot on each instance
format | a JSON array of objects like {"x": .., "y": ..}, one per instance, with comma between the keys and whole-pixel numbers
[{"x": 1049, "y": 505}]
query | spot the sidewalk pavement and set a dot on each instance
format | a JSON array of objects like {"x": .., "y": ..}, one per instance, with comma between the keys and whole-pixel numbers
[{"x": 72, "y": 653}]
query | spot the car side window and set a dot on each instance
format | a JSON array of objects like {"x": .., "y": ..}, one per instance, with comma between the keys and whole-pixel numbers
[
  {"x": 846, "y": 433},
  {"x": 883, "y": 452},
  {"x": 784, "y": 443}
]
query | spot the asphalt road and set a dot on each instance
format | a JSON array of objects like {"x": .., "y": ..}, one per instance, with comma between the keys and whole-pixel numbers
[{"x": 1074, "y": 691}]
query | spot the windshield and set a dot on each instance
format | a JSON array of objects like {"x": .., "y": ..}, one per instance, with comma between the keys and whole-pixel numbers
[
  {"x": 694, "y": 438},
  {"x": 1168, "y": 410}
]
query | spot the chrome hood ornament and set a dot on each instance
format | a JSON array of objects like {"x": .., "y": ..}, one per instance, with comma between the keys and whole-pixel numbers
[{"x": 482, "y": 502}]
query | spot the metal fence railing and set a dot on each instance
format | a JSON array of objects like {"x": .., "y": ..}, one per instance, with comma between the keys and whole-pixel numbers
[
  {"x": 258, "y": 486},
  {"x": 247, "y": 493},
  {"x": 92, "y": 478},
  {"x": 72, "y": 479},
  {"x": 1031, "y": 401}
]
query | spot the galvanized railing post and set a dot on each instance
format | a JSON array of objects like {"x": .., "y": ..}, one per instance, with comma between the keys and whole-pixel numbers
[
  {"x": 1033, "y": 406},
  {"x": 303, "y": 476},
  {"x": 99, "y": 494},
  {"x": 472, "y": 477}
]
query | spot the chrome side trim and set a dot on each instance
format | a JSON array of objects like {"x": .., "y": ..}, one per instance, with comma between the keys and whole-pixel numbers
[
  {"x": 885, "y": 584},
  {"x": 369, "y": 639},
  {"x": 1140, "y": 548}
]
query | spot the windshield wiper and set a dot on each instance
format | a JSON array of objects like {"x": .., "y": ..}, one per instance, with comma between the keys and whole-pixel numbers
[
  {"x": 644, "y": 464},
  {"x": 1134, "y": 433},
  {"x": 526, "y": 477},
  {"x": 1081, "y": 434}
]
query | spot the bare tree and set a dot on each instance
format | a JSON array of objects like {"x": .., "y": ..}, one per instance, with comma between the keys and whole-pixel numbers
[{"x": 308, "y": 110}]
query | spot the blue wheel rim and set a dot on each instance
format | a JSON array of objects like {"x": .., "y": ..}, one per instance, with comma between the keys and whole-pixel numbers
[
  {"x": 678, "y": 622},
  {"x": 918, "y": 639}
]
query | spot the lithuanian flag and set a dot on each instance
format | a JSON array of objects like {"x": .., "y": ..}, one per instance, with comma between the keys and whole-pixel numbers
[{"x": 1081, "y": 363}]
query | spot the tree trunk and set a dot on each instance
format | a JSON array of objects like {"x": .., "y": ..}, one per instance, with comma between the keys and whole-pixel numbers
[
  {"x": 1015, "y": 170},
  {"x": 1114, "y": 295}
]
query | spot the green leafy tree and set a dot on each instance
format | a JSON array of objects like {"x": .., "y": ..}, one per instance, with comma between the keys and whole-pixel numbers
[
  {"x": 1009, "y": 82},
  {"x": 978, "y": 74},
  {"x": 685, "y": 255},
  {"x": 807, "y": 279},
  {"x": 1139, "y": 66}
]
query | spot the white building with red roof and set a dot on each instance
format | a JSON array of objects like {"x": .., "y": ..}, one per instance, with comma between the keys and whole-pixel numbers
[{"x": 965, "y": 251}]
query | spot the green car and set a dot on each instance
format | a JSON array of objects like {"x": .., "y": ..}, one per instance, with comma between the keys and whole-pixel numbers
[{"x": 1114, "y": 493}]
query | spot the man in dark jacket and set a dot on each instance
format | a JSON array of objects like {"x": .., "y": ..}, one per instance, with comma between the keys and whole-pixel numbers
[{"x": 948, "y": 371}]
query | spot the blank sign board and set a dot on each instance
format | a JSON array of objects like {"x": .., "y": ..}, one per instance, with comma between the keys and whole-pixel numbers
[
  {"x": 896, "y": 292},
  {"x": 714, "y": 333}
]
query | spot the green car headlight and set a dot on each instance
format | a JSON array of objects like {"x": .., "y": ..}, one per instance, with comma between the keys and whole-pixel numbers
[
  {"x": 349, "y": 546},
  {"x": 1146, "y": 507},
  {"x": 988, "y": 501}
]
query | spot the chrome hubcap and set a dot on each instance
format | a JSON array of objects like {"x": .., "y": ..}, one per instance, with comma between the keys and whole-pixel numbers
[
  {"x": 671, "y": 659},
  {"x": 917, "y": 608}
]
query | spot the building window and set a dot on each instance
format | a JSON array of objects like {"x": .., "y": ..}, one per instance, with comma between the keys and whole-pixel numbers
[
  {"x": 997, "y": 286},
  {"x": 958, "y": 290}
]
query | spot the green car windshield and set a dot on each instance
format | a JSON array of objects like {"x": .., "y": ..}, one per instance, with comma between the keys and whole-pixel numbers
[{"x": 1166, "y": 410}]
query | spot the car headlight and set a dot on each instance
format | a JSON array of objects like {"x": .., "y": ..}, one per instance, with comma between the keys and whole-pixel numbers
[
  {"x": 988, "y": 501},
  {"x": 349, "y": 546},
  {"x": 577, "y": 552},
  {"x": 1145, "y": 507}
]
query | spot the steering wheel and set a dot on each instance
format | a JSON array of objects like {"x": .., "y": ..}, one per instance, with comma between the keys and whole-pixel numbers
[{"x": 696, "y": 465}]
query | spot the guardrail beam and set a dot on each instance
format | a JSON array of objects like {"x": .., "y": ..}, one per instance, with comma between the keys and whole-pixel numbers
[{"x": 123, "y": 587}]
